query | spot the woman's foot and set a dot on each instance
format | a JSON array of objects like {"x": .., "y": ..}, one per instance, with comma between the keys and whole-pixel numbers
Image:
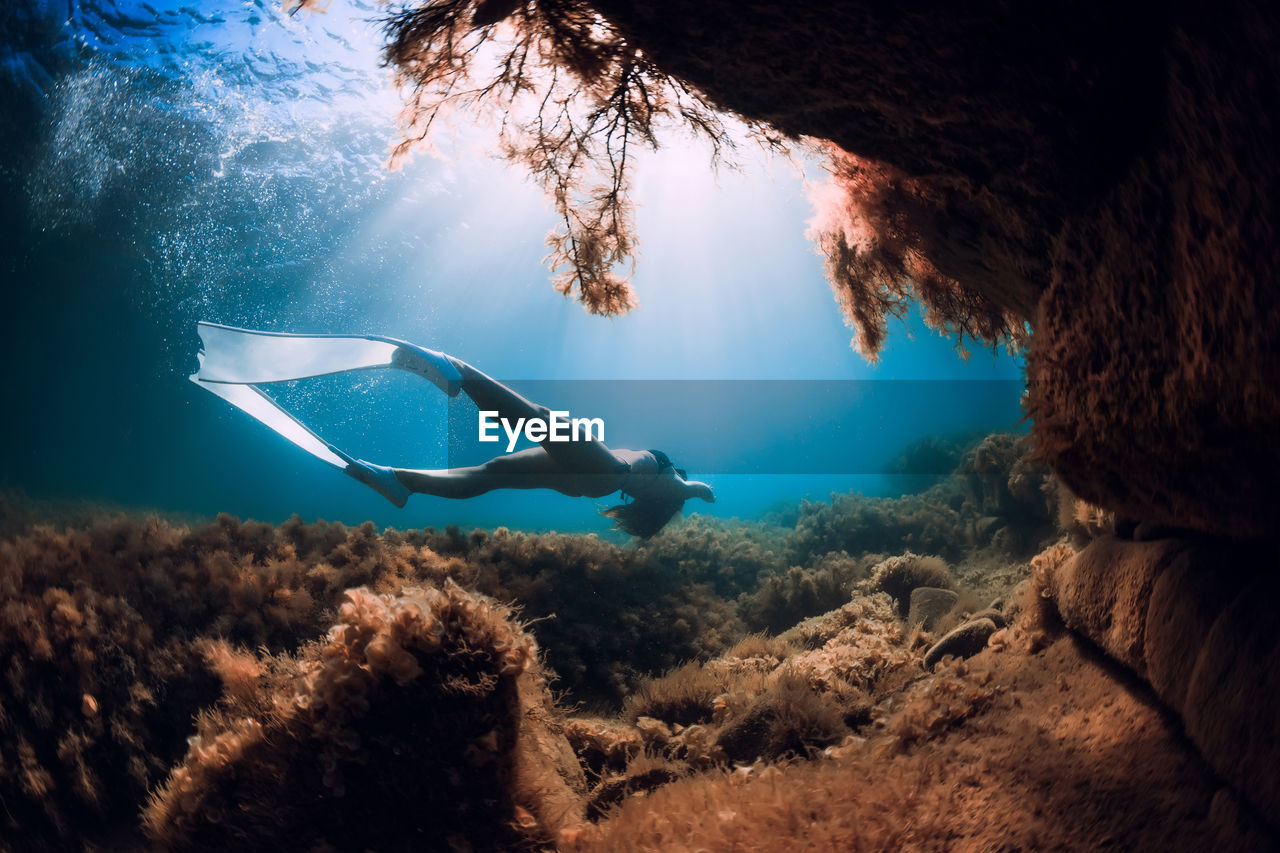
[
  {"x": 436, "y": 367},
  {"x": 381, "y": 479}
]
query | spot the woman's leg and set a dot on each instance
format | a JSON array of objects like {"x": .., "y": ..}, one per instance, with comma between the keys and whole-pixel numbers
[
  {"x": 583, "y": 468},
  {"x": 534, "y": 468},
  {"x": 458, "y": 483},
  {"x": 589, "y": 457}
]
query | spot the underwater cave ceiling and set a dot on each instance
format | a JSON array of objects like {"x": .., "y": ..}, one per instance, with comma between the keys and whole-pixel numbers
[
  {"x": 1106, "y": 172},
  {"x": 1016, "y": 114}
]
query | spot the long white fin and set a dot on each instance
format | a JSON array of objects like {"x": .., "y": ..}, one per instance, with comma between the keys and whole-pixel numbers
[
  {"x": 249, "y": 357},
  {"x": 262, "y": 408},
  {"x": 233, "y": 362}
]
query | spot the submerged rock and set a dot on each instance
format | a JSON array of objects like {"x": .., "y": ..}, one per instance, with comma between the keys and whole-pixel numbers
[
  {"x": 423, "y": 723},
  {"x": 1016, "y": 748},
  {"x": 992, "y": 613},
  {"x": 963, "y": 642},
  {"x": 899, "y": 576},
  {"x": 1197, "y": 622},
  {"x": 928, "y": 606}
]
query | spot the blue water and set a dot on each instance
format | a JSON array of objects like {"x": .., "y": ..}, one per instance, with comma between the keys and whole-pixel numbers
[{"x": 227, "y": 162}]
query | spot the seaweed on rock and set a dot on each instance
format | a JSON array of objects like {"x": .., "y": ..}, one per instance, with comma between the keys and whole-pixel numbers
[
  {"x": 127, "y": 638},
  {"x": 1012, "y": 499},
  {"x": 606, "y": 615},
  {"x": 860, "y": 525},
  {"x": 789, "y": 719},
  {"x": 421, "y": 723},
  {"x": 730, "y": 555},
  {"x": 997, "y": 498},
  {"x": 344, "y": 687},
  {"x": 899, "y": 576},
  {"x": 782, "y": 600},
  {"x": 105, "y": 633},
  {"x": 873, "y": 223}
]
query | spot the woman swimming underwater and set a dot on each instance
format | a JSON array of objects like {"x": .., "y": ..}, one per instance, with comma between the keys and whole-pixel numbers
[{"x": 234, "y": 361}]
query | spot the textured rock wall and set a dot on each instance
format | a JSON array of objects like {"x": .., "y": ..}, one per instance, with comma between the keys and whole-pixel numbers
[
  {"x": 1196, "y": 621},
  {"x": 1152, "y": 373}
]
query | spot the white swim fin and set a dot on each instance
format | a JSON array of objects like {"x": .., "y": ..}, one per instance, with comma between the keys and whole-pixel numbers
[
  {"x": 249, "y": 357},
  {"x": 235, "y": 361},
  {"x": 254, "y": 402}
]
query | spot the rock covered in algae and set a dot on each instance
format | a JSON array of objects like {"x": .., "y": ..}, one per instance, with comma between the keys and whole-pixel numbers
[
  {"x": 421, "y": 723},
  {"x": 899, "y": 576}
]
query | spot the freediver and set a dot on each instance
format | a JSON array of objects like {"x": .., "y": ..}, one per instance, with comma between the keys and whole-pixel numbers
[{"x": 235, "y": 361}]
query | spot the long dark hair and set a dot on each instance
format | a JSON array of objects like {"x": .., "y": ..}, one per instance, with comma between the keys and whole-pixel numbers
[{"x": 645, "y": 516}]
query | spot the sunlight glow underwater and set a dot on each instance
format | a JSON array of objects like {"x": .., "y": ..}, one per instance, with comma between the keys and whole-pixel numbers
[{"x": 266, "y": 204}]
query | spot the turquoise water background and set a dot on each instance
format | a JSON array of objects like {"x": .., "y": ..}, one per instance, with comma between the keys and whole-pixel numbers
[{"x": 227, "y": 162}]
